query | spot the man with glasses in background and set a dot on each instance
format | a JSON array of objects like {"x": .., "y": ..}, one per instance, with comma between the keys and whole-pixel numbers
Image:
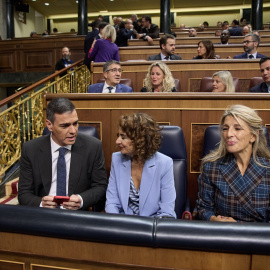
[
  {"x": 112, "y": 74},
  {"x": 250, "y": 45}
]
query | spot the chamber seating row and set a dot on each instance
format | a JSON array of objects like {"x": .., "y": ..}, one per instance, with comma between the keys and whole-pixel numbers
[
  {"x": 249, "y": 238},
  {"x": 205, "y": 84}
]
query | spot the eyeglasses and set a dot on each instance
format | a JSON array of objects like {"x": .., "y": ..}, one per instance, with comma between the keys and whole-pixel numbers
[
  {"x": 247, "y": 41},
  {"x": 114, "y": 70}
]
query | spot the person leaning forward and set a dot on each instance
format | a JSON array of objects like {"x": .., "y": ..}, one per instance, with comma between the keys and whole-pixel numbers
[{"x": 86, "y": 179}]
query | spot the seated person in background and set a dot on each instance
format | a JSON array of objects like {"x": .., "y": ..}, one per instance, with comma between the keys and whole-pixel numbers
[
  {"x": 257, "y": 32},
  {"x": 250, "y": 45},
  {"x": 182, "y": 26},
  {"x": 234, "y": 183},
  {"x": 112, "y": 74},
  {"x": 33, "y": 34},
  {"x": 159, "y": 79},
  {"x": 65, "y": 61},
  {"x": 167, "y": 47},
  {"x": 192, "y": 32},
  {"x": 245, "y": 31},
  {"x": 235, "y": 30},
  {"x": 103, "y": 50},
  {"x": 205, "y": 50},
  {"x": 149, "y": 30},
  {"x": 72, "y": 30},
  {"x": 225, "y": 25},
  {"x": 55, "y": 30},
  {"x": 205, "y": 24},
  {"x": 218, "y": 33},
  {"x": 223, "y": 82},
  {"x": 125, "y": 33},
  {"x": 45, "y": 33},
  {"x": 243, "y": 21},
  {"x": 141, "y": 179},
  {"x": 263, "y": 87},
  {"x": 219, "y": 24},
  {"x": 224, "y": 37},
  {"x": 65, "y": 163}
]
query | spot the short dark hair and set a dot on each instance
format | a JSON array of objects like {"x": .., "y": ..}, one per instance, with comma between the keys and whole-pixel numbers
[
  {"x": 147, "y": 18},
  {"x": 108, "y": 63},
  {"x": 59, "y": 105},
  {"x": 163, "y": 39},
  {"x": 264, "y": 59},
  {"x": 102, "y": 25},
  {"x": 236, "y": 22},
  {"x": 241, "y": 20},
  {"x": 96, "y": 23}
]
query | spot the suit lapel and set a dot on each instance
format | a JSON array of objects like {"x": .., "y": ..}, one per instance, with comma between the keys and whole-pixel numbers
[
  {"x": 148, "y": 174},
  {"x": 45, "y": 163},
  {"x": 124, "y": 183},
  {"x": 76, "y": 162},
  {"x": 243, "y": 186},
  {"x": 118, "y": 88}
]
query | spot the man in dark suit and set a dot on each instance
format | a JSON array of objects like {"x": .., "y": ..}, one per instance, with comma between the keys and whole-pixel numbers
[
  {"x": 149, "y": 30},
  {"x": 263, "y": 87},
  {"x": 250, "y": 44},
  {"x": 235, "y": 30},
  {"x": 89, "y": 39},
  {"x": 83, "y": 178},
  {"x": 112, "y": 74},
  {"x": 167, "y": 47},
  {"x": 125, "y": 33}
]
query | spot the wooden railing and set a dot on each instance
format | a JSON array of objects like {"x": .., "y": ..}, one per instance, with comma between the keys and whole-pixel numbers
[{"x": 23, "y": 120}]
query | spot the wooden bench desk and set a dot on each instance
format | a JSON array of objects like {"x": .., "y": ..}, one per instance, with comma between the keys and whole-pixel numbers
[{"x": 189, "y": 72}]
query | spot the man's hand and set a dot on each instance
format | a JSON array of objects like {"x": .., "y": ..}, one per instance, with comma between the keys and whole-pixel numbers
[
  {"x": 74, "y": 203},
  {"x": 222, "y": 219},
  {"x": 47, "y": 201}
]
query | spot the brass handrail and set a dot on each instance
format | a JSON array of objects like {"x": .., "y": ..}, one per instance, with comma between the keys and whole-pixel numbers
[{"x": 23, "y": 120}]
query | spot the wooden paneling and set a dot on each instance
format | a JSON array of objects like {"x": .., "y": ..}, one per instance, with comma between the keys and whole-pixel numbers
[
  {"x": 188, "y": 72},
  {"x": 38, "y": 54},
  {"x": 192, "y": 111},
  {"x": 42, "y": 253}
]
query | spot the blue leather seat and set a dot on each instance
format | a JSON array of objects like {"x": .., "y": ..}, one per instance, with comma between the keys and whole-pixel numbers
[
  {"x": 212, "y": 138},
  {"x": 86, "y": 130},
  {"x": 173, "y": 145}
]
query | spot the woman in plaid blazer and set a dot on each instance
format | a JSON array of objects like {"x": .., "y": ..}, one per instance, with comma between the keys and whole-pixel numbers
[{"x": 235, "y": 181}]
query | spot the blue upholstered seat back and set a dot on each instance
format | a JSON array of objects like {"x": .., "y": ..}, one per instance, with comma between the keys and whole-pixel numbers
[
  {"x": 173, "y": 145},
  {"x": 212, "y": 138}
]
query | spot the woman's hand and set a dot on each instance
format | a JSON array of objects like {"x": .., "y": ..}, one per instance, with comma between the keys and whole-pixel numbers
[
  {"x": 222, "y": 219},
  {"x": 93, "y": 44}
]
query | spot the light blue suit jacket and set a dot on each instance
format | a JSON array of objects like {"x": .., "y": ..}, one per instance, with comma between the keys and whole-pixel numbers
[
  {"x": 157, "y": 190},
  {"x": 98, "y": 87}
]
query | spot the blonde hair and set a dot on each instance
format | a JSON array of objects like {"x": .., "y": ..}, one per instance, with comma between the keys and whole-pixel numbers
[
  {"x": 252, "y": 119},
  {"x": 227, "y": 79},
  {"x": 168, "y": 81},
  {"x": 109, "y": 32}
]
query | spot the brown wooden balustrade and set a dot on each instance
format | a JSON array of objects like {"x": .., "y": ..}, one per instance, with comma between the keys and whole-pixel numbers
[
  {"x": 192, "y": 111},
  {"x": 189, "y": 72}
]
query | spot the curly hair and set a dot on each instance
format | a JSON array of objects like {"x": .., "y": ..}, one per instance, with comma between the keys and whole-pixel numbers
[
  {"x": 252, "y": 119},
  {"x": 168, "y": 81},
  {"x": 144, "y": 133}
]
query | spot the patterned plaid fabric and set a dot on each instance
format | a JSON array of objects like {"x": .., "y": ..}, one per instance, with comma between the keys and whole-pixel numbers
[{"x": 224, "y": 191}]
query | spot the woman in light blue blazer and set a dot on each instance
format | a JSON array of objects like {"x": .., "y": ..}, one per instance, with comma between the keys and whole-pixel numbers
[{"x": 141, "y": 179}]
